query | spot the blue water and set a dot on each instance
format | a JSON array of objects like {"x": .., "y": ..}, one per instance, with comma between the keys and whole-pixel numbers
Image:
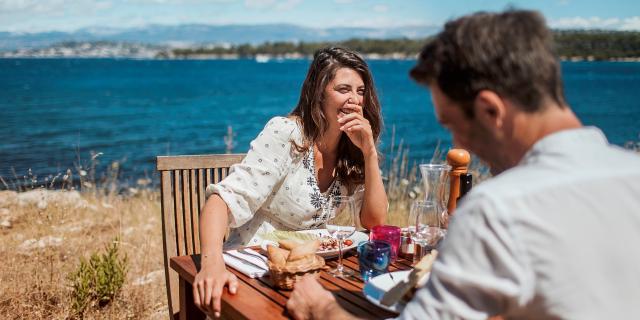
[{"x": 53, "y": 112}]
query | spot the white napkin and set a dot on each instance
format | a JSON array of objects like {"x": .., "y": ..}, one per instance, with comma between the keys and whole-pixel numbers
[{"x": 247, "y": 263}]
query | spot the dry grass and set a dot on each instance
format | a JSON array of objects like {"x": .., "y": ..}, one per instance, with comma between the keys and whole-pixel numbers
[
  {"x": 403, "y": 183},
  {"x": 33, "y": 281}
]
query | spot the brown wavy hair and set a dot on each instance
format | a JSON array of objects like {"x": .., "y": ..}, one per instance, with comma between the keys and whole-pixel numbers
[
  {"x": 323, "y": 68},
  {"x": 511, "y": 53}
]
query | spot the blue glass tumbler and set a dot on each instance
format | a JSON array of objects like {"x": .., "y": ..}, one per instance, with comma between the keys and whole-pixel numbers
[{"x": 373, "y": 257}]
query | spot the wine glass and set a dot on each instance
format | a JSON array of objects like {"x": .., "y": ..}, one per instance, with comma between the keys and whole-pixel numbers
[
  {"x": 341, "y": 225},
  {"x": 427, "y": 232}
]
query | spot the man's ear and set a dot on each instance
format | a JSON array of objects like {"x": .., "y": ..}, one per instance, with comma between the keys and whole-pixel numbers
[{"x": 490, "y": 109}]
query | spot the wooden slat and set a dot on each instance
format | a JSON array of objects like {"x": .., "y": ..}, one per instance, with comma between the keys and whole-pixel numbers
[
  {"x": 209, "y": 176},
  {"x": 169, "y": 240},
  {"x": 197, "y": 161},
  {"x": 201, "y": 186},
  {"x": 179, "y": 212},
  {"x": 186, "y": 200},
  {"x": 195, "y": 210},
  {"x": 216, "y": 175}
]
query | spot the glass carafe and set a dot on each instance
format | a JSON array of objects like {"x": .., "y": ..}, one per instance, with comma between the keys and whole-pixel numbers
[{"x": 434, "y": 178}]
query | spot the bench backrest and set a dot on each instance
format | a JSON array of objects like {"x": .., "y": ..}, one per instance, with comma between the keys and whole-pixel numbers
[{"x": 183, "y": 183}]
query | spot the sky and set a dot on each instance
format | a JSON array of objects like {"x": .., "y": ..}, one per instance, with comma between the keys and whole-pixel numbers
[{"x": 62, "y": 15}]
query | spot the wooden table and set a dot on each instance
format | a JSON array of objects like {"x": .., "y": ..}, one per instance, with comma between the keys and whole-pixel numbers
[{"x": 258, "y": 299}]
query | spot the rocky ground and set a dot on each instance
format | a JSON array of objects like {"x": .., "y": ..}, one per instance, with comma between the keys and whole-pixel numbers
[{"x": 43, "y": 234}]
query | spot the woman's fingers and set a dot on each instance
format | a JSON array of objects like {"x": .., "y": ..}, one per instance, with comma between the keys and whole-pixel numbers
[
  {"x": 350, "y": 117},
  {"x": 216, "y": 296},
  {"x": 233, "y": 283},
  {"x": 355, "y": 128},
  {"x": 196, "y": 294},
  {"x": 208, "y": 292},
  {"x": 354, "y": 107},
  {"x": 203, "y": 291},
  {"x": 354, "y": 122}
]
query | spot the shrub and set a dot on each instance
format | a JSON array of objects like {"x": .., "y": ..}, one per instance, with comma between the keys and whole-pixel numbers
[{"x": 99, "y": 280}]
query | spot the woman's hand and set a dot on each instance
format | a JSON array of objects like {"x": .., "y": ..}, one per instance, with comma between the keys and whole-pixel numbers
[
  {"x": 209, "y": 284},
  {"x": 358, "y": 129}
]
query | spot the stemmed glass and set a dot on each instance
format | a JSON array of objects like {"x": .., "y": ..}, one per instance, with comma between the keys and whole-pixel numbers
[
  {"x": 341, "y": 225},
  {"x": 428, "y": 226}
]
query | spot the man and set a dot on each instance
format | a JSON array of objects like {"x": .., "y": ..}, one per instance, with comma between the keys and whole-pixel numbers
[{"x": 554, "y": 233}]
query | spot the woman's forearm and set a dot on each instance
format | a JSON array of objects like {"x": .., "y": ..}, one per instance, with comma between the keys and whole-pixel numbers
[
  {"x": 213, "y": 226},
  {"x": 374, "y": 206}
]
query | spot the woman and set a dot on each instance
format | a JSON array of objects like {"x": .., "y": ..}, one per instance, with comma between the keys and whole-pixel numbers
[{"x": 326, "y": 147}]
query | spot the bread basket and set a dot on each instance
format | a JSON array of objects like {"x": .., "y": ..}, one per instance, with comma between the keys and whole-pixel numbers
[{"x": 286, "y": 276}]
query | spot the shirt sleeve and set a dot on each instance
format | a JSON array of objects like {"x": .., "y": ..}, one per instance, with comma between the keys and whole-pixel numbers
[
  {"x": 250, "y": 182},
  {"x": 481, "y": 270}
]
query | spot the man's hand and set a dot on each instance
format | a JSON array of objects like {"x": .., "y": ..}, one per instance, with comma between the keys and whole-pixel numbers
[{"x": 309, "y": 300}]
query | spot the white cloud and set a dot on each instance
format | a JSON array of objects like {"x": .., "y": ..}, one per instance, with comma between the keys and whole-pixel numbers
[
  {"x": 179, "y": 2},
  {"x": 52, "y": 7},
  {"x": 584, "y": 23},
  {"x": 342, "y": 1},
  {"x": 287, "y": 5},
  {"x": 279, "y": 5},
  {"x": 631, "y": 23},
  {"x": 103, "y": 5},
  {"x": 35, "y": 6},
  {"x": 380, "y": 8},
  {"x": 259, "y": 4}
]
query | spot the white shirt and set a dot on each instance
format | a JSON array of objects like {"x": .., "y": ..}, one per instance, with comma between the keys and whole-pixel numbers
[
  {"x": 275, "y": 187},
  {"x": 558, "y": 236}
]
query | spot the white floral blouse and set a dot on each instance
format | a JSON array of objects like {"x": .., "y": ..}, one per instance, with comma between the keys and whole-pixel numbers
[{"x": 275, "y": 187}]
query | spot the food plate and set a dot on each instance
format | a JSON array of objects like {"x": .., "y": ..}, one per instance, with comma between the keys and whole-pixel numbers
[
  {"x": 356, "y": 238},
  {"x": 375, "y": 289}
]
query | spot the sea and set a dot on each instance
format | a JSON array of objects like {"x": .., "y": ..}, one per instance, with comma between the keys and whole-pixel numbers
[{"x": 59, "y": 114}]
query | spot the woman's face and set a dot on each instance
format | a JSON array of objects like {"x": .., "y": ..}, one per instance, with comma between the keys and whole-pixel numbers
[{"x": 346, "y": 87}]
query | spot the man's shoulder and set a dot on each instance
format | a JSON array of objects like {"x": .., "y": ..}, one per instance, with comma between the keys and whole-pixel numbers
[{"x": 607, "y": 162}]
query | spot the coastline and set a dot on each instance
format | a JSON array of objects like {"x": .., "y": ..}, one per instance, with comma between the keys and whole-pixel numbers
[{"x": 264, "y": 58}]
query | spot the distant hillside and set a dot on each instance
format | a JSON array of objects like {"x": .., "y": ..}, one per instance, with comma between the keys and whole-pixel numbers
[
  {"x": 598, "y": 44},
  {"x": 570, "y": 45},
  {"x": 195, "y": 34}
]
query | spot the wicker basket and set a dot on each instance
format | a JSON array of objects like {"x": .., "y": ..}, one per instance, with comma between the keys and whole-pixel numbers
[{"x": 285, "y": 277}]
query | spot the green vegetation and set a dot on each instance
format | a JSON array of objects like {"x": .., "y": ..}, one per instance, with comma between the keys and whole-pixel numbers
[
  {"x": 98, "y": 280},
  {"x": 596, "y": 45},
  {"x": 601, "y": 45}
]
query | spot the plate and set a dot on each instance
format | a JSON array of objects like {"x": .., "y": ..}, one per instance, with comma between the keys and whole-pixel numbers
[
  {"x": 375, "y": 289},
  {"x": 357, "y": 237}
]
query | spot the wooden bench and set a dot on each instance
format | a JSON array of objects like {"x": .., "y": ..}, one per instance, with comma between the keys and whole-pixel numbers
[{"x": 183, "y": 183}]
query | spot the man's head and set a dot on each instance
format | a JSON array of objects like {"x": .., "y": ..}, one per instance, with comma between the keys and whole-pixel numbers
[{"x": 488, "y": 72}]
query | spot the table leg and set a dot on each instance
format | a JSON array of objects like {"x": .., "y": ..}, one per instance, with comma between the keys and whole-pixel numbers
[{"x": 188, "y": 309}]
